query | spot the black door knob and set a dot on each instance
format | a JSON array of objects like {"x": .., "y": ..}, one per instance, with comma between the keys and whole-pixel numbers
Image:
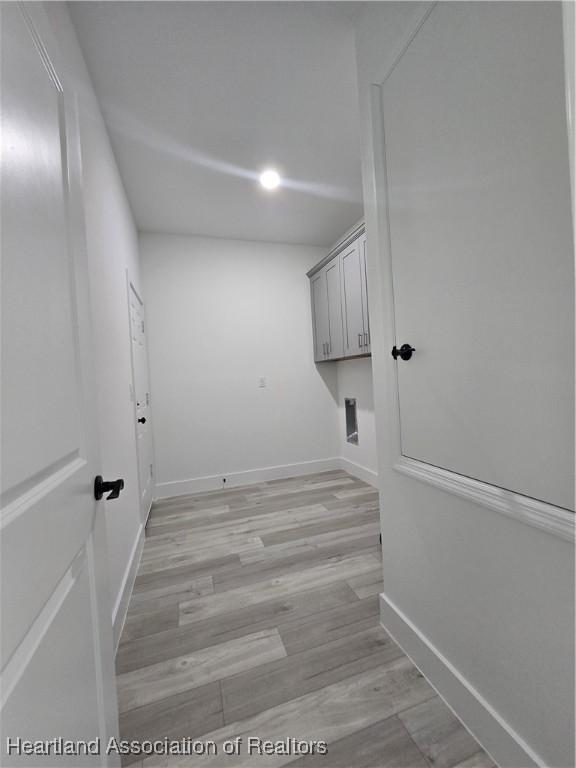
[
  {"x": 102, "y": 486},
  {"x": 405, "y": 352},
  {"x": 142, "y": 420}
]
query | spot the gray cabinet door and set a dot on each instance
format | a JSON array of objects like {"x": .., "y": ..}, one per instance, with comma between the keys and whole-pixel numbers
[
  {"x": 352, "y": 305},
  {"x": 336, "y": 337},
  {"x": 364, "y": 286},
  {"x": 320, "y": 315}
]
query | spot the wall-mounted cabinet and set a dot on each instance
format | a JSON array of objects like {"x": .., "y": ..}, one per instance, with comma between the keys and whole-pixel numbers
[{"x": 339, "y": 293}]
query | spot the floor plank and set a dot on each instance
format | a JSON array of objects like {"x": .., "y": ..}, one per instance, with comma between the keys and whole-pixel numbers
[
  {"x": 279, "y": 681},
  {"x": 187, "y": 714},
  {"x": 385, "y": 744},
  {"x": 439, "y": 735},
  {"x": 255, "y": 612},
  {"x": 281, "y": 586},
  {"x": 174, "y": 676},
  {"x": 149, "y": 649},
  {"x": 314, "y": 630},
  {"x": 328, "y": 714}
]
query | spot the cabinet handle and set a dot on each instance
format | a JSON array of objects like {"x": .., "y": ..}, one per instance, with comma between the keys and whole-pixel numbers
[
  {"x": 366, "y": 339},
  {"x": 360, "y": 340},
  {"x": 328, "y": 345}
]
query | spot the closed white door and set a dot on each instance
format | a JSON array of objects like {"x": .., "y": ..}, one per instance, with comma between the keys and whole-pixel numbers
[
  {"x": 141, "y": 389},
  {"x": 481, "y": 244},
  {"x": 336, "y": 338},
  {"x": 57, "y": 675},
  {"x": 353, "y": 312}
]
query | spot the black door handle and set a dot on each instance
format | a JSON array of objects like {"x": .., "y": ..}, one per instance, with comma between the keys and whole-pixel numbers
[
  {"x": 103, "y": 486},
  {"x": 142, "y": 420},
  {"x": 405, "y": 352}
]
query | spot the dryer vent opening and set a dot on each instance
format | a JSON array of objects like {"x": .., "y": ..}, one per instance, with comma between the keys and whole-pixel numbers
[{"x": 351, "y": 420}]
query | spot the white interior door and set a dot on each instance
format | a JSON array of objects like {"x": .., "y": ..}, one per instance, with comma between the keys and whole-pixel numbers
[
  {"x": 141, "y": 388},
  {"x": 481, "y": 243},
  {"x": 57, "y": 675}
]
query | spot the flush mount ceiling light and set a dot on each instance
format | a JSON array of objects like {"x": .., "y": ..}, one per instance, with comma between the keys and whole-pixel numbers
[{"x": 270, "y": 179}]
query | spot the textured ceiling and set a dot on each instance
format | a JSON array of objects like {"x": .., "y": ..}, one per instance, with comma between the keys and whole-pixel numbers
[{"x": 200, "y": 97}]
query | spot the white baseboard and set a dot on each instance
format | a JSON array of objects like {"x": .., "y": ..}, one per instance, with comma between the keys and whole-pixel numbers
[
  {"x": 247, "y": 477},
  {"x": 121, "y": 606},
  {"x": 362, "y": 473},
  {"x": 488, "y": 727}
]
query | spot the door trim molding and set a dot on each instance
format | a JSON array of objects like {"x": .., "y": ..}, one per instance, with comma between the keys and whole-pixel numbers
[{"x": 553, "y": 520}]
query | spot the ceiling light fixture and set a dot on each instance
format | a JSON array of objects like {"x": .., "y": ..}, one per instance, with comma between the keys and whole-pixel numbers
[{"x": 270, "y": 179}]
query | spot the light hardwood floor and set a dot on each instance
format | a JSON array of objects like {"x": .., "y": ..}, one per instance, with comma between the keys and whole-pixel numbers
[{"x": 255, "y": 613}]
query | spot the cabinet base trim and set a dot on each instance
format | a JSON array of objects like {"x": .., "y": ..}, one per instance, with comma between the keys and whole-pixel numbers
[
  {"x": 489, "y": 728},
  {"x": 553, "y": 520}
]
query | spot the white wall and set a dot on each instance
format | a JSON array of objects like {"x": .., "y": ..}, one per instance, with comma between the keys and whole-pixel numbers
[
  {"x": 112, "y": 249},
  {"x": 355, "y": 380},
  {"x": 485, "y": 604},
  {"x": 221, "y": 315}
]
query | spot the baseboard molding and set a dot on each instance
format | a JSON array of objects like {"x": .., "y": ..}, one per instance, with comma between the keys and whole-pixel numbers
[
  {"x": 487, "y": 726},
  {"x": 362, "y": 473},
  {"x": 121, "y": 606},
  {"x": 247, "y": 477}
]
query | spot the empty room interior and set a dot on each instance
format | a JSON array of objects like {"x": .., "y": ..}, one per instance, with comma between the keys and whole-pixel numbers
[{"x": 287, "y": 471}]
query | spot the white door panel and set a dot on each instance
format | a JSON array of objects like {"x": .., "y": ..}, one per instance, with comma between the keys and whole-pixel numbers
[
  {"x": 57, "y": 656},
  {"x": 37, "y": 283},
  {"x": 46, "y": 694},
  {"x": 481, "y": 244}
]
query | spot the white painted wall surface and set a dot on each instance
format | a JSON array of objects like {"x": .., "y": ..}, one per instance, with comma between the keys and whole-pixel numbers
[
  {"x": 112, "y": 248},
  {"x": 222, "y": 314},
  {"x": 484, "y": 604},
  {"x": 355, "y": 380}
]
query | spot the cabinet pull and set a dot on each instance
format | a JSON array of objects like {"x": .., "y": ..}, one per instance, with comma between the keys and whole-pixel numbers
[
  {"x": 366, "y": 339},
  {"x": 360, "y": 340},
  {"x": 328, "y": 346}
]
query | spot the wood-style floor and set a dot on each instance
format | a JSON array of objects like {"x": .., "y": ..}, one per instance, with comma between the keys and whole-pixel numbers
[{"x": 255, "y": 613}]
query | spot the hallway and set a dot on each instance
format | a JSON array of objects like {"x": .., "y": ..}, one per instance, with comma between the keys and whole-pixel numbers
[{"x": 255, "y": 612}]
